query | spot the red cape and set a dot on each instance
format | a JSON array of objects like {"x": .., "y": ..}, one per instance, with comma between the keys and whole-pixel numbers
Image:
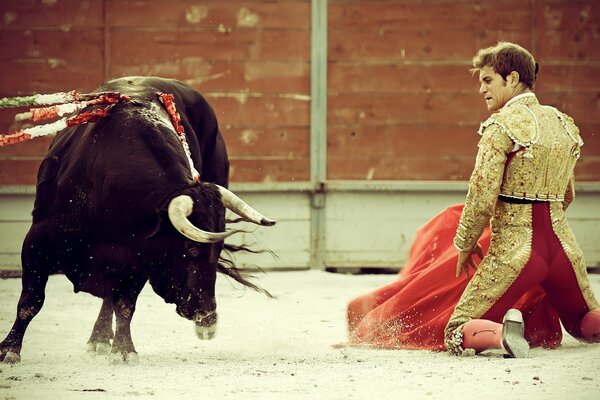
[{"x": 412, "y": 311}]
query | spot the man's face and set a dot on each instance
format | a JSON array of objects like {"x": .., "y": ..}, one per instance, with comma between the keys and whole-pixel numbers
[{"x": 494, "y": 88}]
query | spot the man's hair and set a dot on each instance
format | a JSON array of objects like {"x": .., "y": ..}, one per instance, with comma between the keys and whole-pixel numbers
[{"x": 506, "y": 57}]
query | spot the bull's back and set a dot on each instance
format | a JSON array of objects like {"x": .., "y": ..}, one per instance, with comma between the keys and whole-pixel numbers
[
  {"x": 128, "y": 162},
  {"x": 112, "y": 168},
  {"x": 198, "y": 119}
]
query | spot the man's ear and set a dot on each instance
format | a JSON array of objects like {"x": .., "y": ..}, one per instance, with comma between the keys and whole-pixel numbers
[{"x": 513, "y": 78}]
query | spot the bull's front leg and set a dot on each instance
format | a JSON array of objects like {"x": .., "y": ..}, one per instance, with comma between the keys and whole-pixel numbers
[
  {"x": 34, "y": 280},
  {"x": 102, "y": 333},
  {"x": 123, "y": 350},
  {"x": 30, "y": 303}
]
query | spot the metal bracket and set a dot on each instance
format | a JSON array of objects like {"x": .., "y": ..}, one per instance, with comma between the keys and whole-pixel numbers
[{"x": 317, "y": 200}]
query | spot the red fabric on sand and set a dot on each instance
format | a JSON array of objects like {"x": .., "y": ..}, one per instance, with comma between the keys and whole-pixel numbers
[{"x": 412, "y": 311}]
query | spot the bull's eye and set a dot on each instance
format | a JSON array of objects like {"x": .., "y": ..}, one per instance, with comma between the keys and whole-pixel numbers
[
  {"x": 194, "y": 252},
  {"x": 192, "y": 249}
]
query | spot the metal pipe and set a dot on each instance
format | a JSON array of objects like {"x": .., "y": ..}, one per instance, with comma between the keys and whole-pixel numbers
[{"x": 318, "y": 131}]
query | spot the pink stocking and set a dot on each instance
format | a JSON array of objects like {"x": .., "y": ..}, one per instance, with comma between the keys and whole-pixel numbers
[
  {"x": 481, "y": 334},
  {"x": 590, "y": 325}
]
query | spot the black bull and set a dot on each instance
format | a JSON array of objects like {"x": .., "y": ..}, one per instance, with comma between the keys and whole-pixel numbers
[{"x": 116, "y": 206}]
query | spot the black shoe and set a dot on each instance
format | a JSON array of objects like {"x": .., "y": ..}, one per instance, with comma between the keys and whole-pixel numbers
[{"x": 513, "y": 334}]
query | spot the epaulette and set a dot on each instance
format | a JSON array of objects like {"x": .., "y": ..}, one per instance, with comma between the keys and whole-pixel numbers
[
  {"x": 518, "y": 123},
  {"x": 569, "y": 125}
]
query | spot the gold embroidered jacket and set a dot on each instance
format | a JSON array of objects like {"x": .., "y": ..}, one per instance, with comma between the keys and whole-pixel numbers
[
  {"x": 526, "y": 151},
  {"x": 545, "y": 144}
]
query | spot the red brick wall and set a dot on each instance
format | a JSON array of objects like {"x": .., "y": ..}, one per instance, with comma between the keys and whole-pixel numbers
[
  {"x": 402, "y": 104},
  {"x": 251, "y": 59}
]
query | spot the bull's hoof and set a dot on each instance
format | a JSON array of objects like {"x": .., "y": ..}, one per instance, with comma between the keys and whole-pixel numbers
[
  {"x": 11, "y": 358},
  {"x": 99, "y": 348},
  {"x": 103, "y": 349},
  {"x": 206, "y": 332},
  {"x": 124, "y": 358}
]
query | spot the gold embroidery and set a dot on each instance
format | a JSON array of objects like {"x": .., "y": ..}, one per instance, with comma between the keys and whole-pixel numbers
[
  {"x": 484, "y": 186},
  {"x": 510, "y": 248},
  {"x": 540, "y": 170}
]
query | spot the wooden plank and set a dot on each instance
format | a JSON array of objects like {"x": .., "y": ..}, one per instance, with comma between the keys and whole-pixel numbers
[
  {"x": 568, "y": 78},
  {"x": 7, "y": 117},
  {"x": 435, "y": 107},
  {"x": 420, "y": 15},
  {"x": 434, "y": 140},
  {"x": 567, "y": 31},
  {"x": 569, "y": 45},
  {"x": 582, "y": 106},
  {"x": 290, "y": 142},
  {"x": 84, "y": 45},
  {"x": 363, "y": 77},
  {"x": 208, "y": 75},
  {"x": 282, "y": 206},
  {"x": 590, "y": 133},
  {"x": 144, "y": 48},
  {"x": 370, "y": 166},
  {"x": 22, "y": 77},
  {"x": 588, "y": 169},
  {"x": 211, "y": 14},
  {"x": 573, "y": 15},
  {"x": 391, "y": 219},
  {"x": 414, "y": 153},
  {"x": 18, "y": 172},
  {"x": 268, "y": 170},
  {"x": 257, "y": 110},
  {"x": 419, "y": 45},
  {"x": 16, "y": 208},
  {"x": 32, "y": 149},
  {"x": 11, "y": 236},
  {"x": 397, "y": 108},
  {"x": 60, "y": 15},
  {"x": 10, "y": 264},
  {"x": 49, "y": 61}
]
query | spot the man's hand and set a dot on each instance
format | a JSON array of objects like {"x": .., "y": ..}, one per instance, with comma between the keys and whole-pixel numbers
[{"x": 465, "y": 260}]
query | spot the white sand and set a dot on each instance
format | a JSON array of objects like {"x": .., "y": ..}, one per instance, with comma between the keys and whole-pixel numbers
[{"x": 268, "y": 349}]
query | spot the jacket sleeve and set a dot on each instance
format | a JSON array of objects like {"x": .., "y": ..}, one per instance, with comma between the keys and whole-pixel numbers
[
  {"x": 569, "y": 194},
  {"x": 484, "y": 186}
]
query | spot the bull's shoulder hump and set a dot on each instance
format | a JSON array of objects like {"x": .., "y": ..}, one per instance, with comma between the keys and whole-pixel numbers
[{"x": 144, "y": 85}]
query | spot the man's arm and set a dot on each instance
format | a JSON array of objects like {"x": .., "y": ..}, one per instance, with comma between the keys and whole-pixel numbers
[{"x": 484, "y": 187}]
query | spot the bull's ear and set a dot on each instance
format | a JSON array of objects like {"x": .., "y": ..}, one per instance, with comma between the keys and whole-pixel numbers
[{"x": 155, "y": 226}]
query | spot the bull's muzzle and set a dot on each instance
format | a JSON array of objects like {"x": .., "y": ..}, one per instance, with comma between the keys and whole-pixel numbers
[{"x": 206, "y": 325}]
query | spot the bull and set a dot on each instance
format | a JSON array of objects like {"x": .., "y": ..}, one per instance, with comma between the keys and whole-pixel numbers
[{"x": 117, "y": 205}]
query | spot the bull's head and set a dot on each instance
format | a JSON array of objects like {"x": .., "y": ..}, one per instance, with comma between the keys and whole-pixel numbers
[{"x": 197, "y": 260}]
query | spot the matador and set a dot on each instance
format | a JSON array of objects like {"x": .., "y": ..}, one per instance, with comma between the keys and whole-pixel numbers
[{"x": 522, "y": 184}]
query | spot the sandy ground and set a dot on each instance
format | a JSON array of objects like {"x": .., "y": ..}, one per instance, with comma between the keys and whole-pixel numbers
[{"x": 268, "y": 349}]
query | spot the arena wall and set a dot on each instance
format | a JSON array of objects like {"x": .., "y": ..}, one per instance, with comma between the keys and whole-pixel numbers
[{"x": 352, "y": 122}]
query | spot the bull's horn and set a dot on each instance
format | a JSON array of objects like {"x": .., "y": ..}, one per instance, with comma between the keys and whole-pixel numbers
[
  {"x": 239, "y": 206},
  {"x": 179, "y": 209}
]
